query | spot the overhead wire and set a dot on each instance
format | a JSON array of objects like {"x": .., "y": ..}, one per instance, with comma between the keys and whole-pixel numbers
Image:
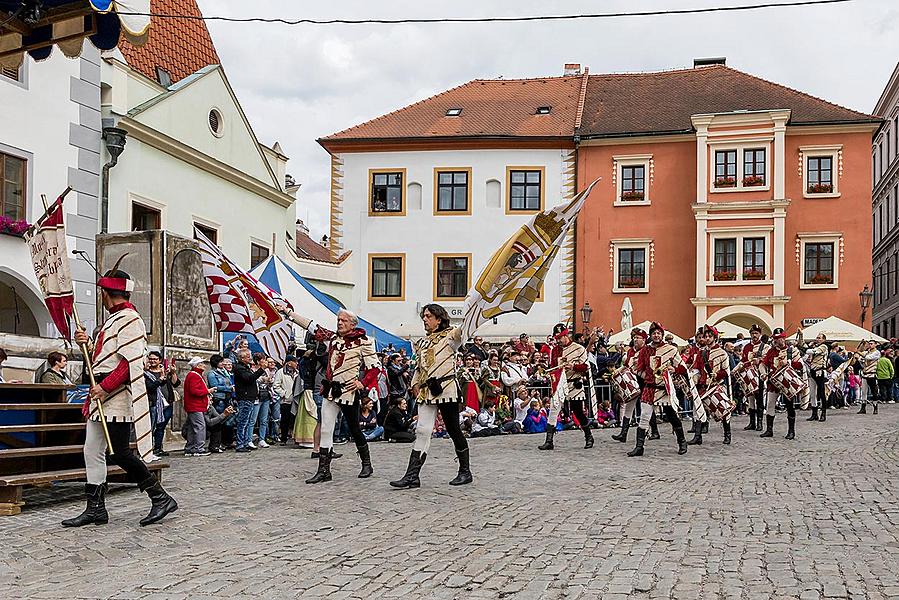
[{"x": 508, "y": 19}]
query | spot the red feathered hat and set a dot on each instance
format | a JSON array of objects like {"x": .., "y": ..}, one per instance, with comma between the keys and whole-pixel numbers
[
  {"x": 116, "y": 279},
  {"x": 656, "y": 326},
  {"x": 637, "y": 332}
]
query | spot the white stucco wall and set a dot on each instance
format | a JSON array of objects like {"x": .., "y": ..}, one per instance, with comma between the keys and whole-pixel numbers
[
  {"x": 420, "y": 234},
  {"x": 47, "y": 120}
]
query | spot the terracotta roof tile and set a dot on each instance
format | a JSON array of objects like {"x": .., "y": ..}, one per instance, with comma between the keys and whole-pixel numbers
[
  {"x": 310, "y": 249},
  {"x": 615, "y": 104},
  {"x": 180, "y": 46},
  {"x": 664, "y": 101},
  {"x": 489, "y": 108}
]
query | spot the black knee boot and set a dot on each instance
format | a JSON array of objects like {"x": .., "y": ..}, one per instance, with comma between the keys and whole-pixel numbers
[
  {"x": 96, "y": 508},
  {"x": 653, "y": 427},
  {"x": 814, "y": 416},
  {"x": 726, "y": 425},
  {"x": 548, "y": 444},
  {"x": 751, "y": 426},
  {"x": 324, "y": 466},
  {"x": 697, "y": 434},
  {"x": 791, "y": 428},
  {"x": 622, "y": 436},
  {"x": 823, "y": 414},
  {"x": 641, "y": 440},
  {"x": 365, "y": 457},
  {"x": 161, "y": 503},
  {"x": 678, "y": 428},
  {"x": 769, "y": 427},
  {"x": 464, "y": 475},
  {"x": 410, "y": 479},
  {"x": 588, "y": 437}
]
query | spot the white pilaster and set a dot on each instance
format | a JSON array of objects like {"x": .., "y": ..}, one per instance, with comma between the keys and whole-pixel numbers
[
  {"x": 780, "y": 216},
  {"x": 701, "y": 254},
  {"x": 701, "y": 124},
  {"x": 779, "y": 162}
]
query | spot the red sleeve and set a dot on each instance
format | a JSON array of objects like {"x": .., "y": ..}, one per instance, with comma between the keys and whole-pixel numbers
[
  {"x": 580, "y": 368},
  {"x": 370, "y": 379},
  {"x": 745, "y": 354},
  {"x": 117, "y": 377},
  {"x": 643, "y": 361},
  {"x": 681, "y": 369},
  {"x": 195, "y": 385},
  {"x": 769, "y": 358},
  {"x": 797, "y": 365},
  {"x": 721, "y": 375}
]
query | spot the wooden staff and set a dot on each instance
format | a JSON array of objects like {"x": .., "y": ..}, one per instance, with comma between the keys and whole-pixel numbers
[{"x": 88, "y": 362}]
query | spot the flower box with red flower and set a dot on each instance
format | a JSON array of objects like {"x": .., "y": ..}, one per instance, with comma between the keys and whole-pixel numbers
[
  {"x": 753, "y": 274},
  {"x": 632, "y": 196},
  {"x": 725, "y": 275},
  {"x": 13, "y": 227},
  {"x": 821, "y": 279},
  {"x": 725, "y": 182},
  {"x": 820, "y": 188},
  {"x": 753, "y": 181},
  {"x": 631, "y": 282}
]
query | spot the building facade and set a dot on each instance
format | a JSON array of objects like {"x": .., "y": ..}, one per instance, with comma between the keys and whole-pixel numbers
[
  {"x": 50, "y": 140},
  {"x": 885, "y": 215},
  {"x": 742, "y": 201},
  {"x": 425, "y": 195}
]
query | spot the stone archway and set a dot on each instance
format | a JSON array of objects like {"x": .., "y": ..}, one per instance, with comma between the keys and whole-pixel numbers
[
  {"x": 744, "y": 316},
  {"x": 22, "y": 311}
]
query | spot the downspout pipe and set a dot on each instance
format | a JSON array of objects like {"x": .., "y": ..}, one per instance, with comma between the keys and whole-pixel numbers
[{"x": 115, "y": 139}]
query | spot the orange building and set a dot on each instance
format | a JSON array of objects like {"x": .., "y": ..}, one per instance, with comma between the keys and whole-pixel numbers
[{"x": 724, "y": 197}]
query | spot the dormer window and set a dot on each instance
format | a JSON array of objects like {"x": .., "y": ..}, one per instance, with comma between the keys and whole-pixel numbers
[
  {"x": 163, "y": 77},
  {"x": 544, "y": 110},
  {"x": 453, "y": 112}
]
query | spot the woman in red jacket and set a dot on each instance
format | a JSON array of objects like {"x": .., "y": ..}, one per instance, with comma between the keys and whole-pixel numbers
[{"x": 196, "y": 402}]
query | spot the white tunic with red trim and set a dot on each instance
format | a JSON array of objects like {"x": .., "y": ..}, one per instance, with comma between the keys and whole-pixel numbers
[
  {"x": 351, "y": 357},
  {"x": 119, "y": 352},
  {"x": 436, "y": 359},
  {"x": 574, "y": 357},
  {"x": 777, "y": 358}
]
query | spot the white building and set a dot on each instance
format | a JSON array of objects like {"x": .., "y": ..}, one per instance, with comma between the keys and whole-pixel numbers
[
  {"x": 49, "y": 139},
  {"x": 425, "y": 195},
  {"x": 886, "y": 211}
]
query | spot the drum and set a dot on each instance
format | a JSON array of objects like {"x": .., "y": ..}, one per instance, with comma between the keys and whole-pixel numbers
[
  {"x": 718, "y": 402},
  {"x": 748, "y": 377},
  {"x": 626, "y": 383},
  {"x": 788, "y": 382}
]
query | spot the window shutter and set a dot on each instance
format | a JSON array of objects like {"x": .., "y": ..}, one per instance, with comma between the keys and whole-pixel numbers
[{"x": 11, "y": 72}]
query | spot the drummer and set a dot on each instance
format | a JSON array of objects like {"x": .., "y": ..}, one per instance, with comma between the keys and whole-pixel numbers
[
  {"x": 753, "y": 353},
  {"x": 630, "y": 405},
  {"x": 778, "y": 361},
  {"x": 714, "y": 369}
]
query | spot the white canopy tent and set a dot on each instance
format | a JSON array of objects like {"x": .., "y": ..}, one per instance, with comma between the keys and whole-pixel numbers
[
  {"x": 625, "y": 335},
  {"x": 838, "y": 330},
  {"x": 729, "y": 331}
]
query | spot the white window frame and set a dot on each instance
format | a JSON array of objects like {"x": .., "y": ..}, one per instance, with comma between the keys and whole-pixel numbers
[
  {"x": 821, "y": 151},
  {"x": 740, "y": 234},
  {"x": 151, "y": 204},
  {"x": 817, "y": 238},
  {"x": 22, "y": 80},
  {"x": 632, "y": 160},
  {"x": 740, "y": 146},
  {"x": 626, "y": 245}
]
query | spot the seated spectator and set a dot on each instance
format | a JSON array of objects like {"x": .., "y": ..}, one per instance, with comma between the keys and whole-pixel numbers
[
  {"x": 485, "y": 425},
  {"x": 467, "y": 417},
  {"x": 605, "y": 417},
  {"x": 505, "y": 418},
  {"x": 520, "y": 404},
  {"x": 368, "y": 421},
  {"x": 398, "y": 426},
  {"x": 535, "y": 421},
  {"x": 439, "y": 427},
  {"x": 56, "y": 371}
]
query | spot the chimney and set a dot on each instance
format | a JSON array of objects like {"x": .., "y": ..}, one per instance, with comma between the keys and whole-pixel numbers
[
  {"x": 572, "y": 69},
  {"x": 708, "y": 62},
  {"x": 301, "y": 227}
]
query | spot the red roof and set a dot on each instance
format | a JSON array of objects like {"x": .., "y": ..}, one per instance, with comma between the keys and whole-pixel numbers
[
  {"x": 613, "y": 105},
  {"x": 180, "y": 46},
  {"x": 505, "y": 108},
  {"x": 311, "y": 250},
  {"x": 664, "y": 101}
]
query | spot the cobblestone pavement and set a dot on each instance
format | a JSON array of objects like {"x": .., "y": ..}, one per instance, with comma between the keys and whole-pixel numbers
[{"x": 813, "y": 518}]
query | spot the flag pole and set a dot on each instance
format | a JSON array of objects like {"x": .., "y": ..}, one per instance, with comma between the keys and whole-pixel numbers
[{"x": 88, "y": 362}]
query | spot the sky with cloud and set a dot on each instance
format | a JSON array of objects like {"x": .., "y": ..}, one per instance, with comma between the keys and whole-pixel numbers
[{"x": 299, "y": 83}]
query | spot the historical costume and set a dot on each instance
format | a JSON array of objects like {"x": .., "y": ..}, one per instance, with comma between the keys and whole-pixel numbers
[
  {"x": 752, "y": 356},
  {"x": 573, "y": 359},
  {"x": 657, "y": 362},
  {"x": 817, "y": 364},
  {"x": 434, "y": 382},
  {"x": 778, "y": 360},
  {"x": 713, "y": 365},
  {"x": 118, "y": 364},
  {"x": 351, "y": 372},
  {"x": 869, "y": 357},
  {"x": 631, "y": 401},
  {"x": 467, "y": 379}
]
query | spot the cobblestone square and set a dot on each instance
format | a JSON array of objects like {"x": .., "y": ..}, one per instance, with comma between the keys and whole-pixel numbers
[{"x": 815, "y": 518}]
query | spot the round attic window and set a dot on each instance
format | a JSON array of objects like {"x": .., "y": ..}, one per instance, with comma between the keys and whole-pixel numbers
[{"x": 215, "y": 122}]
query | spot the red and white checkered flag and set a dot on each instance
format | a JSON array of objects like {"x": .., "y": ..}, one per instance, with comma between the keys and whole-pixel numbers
[{"x": 242, "y": 303}]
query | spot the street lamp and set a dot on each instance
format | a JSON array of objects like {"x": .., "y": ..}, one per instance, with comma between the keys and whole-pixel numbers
[
  {"x": 586, "y": 313},
  {"x": 864, "y": 298}
]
